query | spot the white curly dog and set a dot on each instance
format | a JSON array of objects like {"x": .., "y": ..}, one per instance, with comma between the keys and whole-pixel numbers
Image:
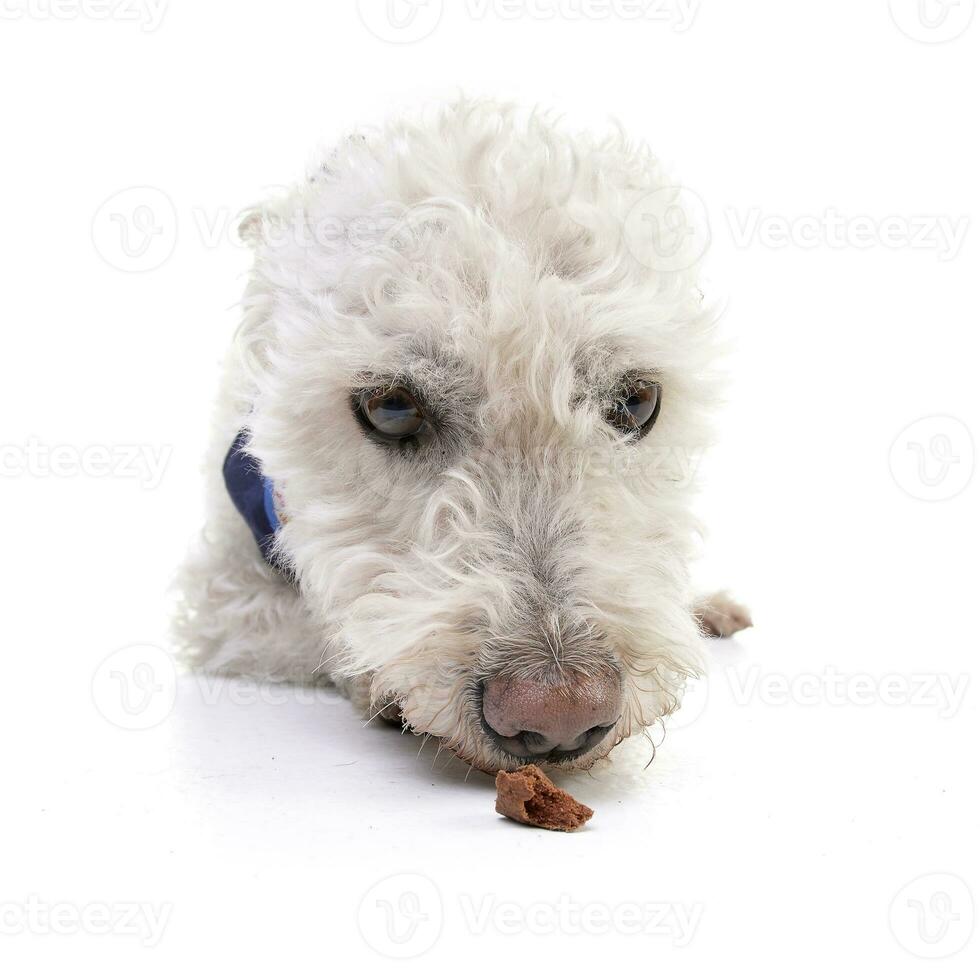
[{"x": 451, "y": 468}]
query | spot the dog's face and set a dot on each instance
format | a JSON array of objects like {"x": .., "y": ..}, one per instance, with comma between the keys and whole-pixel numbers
[{"x": 482, "y": 411}]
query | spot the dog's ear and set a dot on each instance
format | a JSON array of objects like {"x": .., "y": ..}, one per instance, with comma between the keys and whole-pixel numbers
[
  {"x": 259, "y": 223},
  {"x": 251, "y": 224}
]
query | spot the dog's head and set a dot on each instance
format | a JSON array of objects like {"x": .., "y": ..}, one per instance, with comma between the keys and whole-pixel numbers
[{"x": 479, "y": 390}]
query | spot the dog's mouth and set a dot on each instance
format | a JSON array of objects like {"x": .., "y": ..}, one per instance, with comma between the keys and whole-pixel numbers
[
  {"x": 519, "y": 750},
  {"x": 506, "y": 722},
  {"x": 490, "y": 758},
  {"x": 487, "y": 750}
]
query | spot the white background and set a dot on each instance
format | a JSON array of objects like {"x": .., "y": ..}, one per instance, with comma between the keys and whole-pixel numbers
[{"x": 829, "y": 762}]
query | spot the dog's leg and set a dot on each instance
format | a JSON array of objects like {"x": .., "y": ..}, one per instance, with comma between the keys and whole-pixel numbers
[
  {"x": 358, "y": 691},
  {"x": 720, "y": 615},
  {"x": 240, "y": 616}
]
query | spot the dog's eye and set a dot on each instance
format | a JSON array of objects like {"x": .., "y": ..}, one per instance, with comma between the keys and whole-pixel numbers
[
  {"x": 636, "y": 407},
  {"x": 393, "y": 413}
]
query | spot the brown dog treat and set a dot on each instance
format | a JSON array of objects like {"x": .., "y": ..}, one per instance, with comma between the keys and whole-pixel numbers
[{"x": 529, "y": 796}]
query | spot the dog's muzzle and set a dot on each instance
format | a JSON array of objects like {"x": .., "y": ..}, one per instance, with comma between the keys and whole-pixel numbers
[{"x": 538, "y": 720}]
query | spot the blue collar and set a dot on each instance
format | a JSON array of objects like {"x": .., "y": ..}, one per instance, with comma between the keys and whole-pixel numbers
[{"x": 254, "y": 498}]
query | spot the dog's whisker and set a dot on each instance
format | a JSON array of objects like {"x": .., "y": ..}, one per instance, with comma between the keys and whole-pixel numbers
[
  {"x": 653, "y": 748},
  {"x": 425, "y": 739},
  {"x": 383, "y": 707}
]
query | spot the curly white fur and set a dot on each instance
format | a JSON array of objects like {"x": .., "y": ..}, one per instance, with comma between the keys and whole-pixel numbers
[{"x": 477, "y": 252}]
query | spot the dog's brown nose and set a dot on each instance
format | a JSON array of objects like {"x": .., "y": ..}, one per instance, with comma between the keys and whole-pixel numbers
[{"x": 531, "y": 719}]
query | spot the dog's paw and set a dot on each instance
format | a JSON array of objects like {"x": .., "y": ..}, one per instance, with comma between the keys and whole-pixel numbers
[
  {"x": 721, "y": 615},
  {"x": 391, "y": 713},
  {"x": 358, "y": 689}
]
